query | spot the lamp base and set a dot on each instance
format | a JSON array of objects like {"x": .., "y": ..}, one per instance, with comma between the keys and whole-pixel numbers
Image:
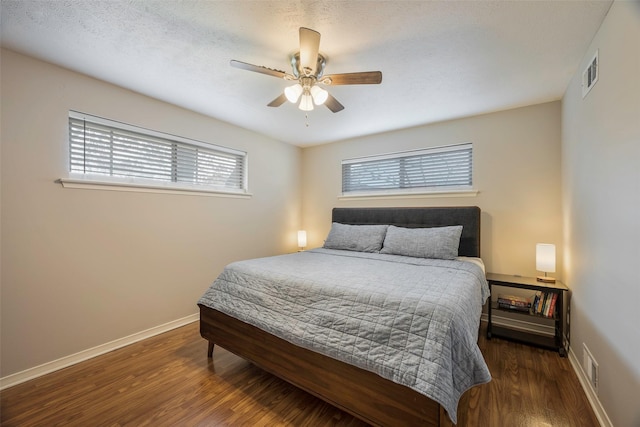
[{"x": 546, "y": 279}]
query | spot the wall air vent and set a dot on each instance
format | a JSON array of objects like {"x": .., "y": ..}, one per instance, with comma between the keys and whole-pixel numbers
[
  {"x": 590, "y": 75},
  {"x": 590, "y": 367}
]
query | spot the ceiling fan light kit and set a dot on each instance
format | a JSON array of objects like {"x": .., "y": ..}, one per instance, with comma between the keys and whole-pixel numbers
[{"x": 308, "y": 68}]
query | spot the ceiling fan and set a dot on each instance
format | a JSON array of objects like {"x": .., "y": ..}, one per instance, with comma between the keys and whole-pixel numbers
[{"x": 308, "y": 72}]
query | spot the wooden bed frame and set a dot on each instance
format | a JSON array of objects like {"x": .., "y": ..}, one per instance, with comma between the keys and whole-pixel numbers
[{"x": 364, "y": 394}]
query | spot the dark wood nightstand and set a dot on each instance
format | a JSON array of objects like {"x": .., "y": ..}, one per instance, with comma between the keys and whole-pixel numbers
[{"x": 556, "y": 317}]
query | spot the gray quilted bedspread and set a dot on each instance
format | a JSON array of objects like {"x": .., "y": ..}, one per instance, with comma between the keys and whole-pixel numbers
[{"x": 413, "y": 321}]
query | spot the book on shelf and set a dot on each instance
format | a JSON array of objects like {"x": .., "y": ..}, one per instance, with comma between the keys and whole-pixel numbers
[
  {"x": 515, "y": 303},
  {"x": 535, "y": 306},
  {"x": 552, "y": 305},
  {"x": 547, "y": 301},
  {"x": 544, "y": 303}
]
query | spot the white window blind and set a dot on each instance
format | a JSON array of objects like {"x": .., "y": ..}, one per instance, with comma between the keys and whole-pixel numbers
[
  {"x": 103, "y": 147},
  {"x": 432, "y": 169}
]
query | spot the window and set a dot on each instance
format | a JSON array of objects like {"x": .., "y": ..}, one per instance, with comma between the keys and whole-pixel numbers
[
  {"x": 438, "y": 169},
  {"x": 104, "y": 148}
]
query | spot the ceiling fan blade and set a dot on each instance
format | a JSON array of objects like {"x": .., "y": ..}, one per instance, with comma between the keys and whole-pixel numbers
[
  {"x": 258, "y": 69},
  {"x": 363, "y": 78},
  {"x": 333, "y": 104},
  {"x": 309, "y": 46},
  {"x": 278, "y": 101}
]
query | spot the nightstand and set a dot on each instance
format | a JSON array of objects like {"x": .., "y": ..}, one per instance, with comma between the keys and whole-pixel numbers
[{"x": 555, "y": 318}]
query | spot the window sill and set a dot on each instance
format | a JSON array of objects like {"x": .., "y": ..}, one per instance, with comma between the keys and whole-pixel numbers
[
  {"x": 99, "y": 184},
  {"x": 409, "y": 195}
]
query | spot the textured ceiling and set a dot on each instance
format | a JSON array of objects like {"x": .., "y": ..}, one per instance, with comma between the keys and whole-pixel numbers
[{"x": 439, "y": 59}]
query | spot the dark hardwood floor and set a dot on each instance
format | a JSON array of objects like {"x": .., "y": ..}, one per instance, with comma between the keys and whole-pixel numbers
[{"x": 167, "y": 380}]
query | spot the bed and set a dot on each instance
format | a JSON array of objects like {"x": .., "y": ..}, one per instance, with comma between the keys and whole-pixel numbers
[{"x": 392, "y": 371}]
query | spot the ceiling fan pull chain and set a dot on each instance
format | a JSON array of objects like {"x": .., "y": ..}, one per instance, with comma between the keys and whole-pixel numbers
[{"x": 306, "y": 117}]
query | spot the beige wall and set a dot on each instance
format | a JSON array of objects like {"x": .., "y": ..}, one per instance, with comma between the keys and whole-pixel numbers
[
  {"x": 516, "y": 171},
  {"x": 81, "y": 268},
  {"x": 601, "y": 198}
]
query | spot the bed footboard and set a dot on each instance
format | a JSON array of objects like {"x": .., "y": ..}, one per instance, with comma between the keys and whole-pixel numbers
[{"x": 364, "y": 394}]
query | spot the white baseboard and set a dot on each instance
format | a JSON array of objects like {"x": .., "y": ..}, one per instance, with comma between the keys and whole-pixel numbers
[
  {"x": 46, "y": 368},
  {"x": 602, "y": 416}
]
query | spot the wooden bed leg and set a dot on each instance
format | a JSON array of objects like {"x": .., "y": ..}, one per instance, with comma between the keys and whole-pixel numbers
[{"x": 210, "y": 350}]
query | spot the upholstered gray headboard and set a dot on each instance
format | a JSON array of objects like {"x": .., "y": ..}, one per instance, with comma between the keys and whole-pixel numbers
[{"x": 467, "y": 216}]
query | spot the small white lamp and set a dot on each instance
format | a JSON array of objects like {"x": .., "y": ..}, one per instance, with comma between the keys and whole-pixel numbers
[
  {"x": 302, "y": 239},
  {"x": 546, "y": 261}
]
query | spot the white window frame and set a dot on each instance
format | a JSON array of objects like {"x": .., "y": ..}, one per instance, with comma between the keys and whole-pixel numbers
[
  {"x": 100, "y": 181},
  {"x": 439, "y": 190}
]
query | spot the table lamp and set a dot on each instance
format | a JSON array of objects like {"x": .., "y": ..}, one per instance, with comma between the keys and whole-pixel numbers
[
  {"x": 546, "y": 261},
  {"x": 302, "y": 239}
]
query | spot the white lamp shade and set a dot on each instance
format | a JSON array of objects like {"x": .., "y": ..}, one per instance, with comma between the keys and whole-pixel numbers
[
  {"x": 302, "y": 238},
  {"x": 546, "y": 257},
  {"x": 319, "y": 95},
  {"x": 306, "y": 103},
  {"x": 293, "y": 92}
]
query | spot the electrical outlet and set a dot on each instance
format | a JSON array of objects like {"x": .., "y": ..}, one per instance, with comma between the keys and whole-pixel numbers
[{"x": 590, "y": 367}]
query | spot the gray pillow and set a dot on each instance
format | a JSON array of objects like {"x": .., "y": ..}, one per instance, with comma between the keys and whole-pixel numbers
[
  {"x": 361, "y": 238},
  {"x": 436, "y": 242}
]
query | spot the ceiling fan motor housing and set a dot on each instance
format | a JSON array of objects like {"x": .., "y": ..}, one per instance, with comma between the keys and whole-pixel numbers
[{"x": 299, "y": 72}]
